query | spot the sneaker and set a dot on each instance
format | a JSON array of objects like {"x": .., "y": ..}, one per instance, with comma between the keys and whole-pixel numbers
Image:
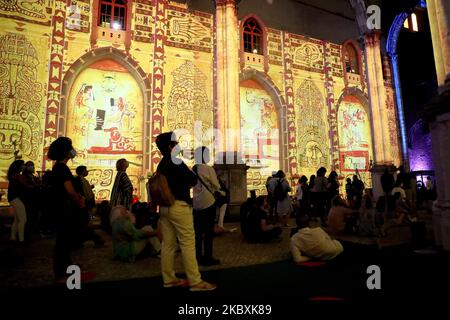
[
  {"x": 177, "y": 284},
  {"x": 203, "y": 286}
]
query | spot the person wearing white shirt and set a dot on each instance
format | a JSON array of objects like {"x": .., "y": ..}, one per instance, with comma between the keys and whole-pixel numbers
[
  {"x": 399, "y": 188},
  {"x": 313, "y": 243},
  {"x": 204, "y": 207}
]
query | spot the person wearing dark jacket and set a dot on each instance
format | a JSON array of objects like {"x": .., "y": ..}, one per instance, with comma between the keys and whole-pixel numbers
[
  {"x": 68, "y": 204},
  {"x": 387, "y": 181}
]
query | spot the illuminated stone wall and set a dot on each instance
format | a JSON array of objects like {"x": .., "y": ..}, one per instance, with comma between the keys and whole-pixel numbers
[
  {"x": 355, "y": 138},
  {"x": 259, "y": 134},
  {"x": 105, "y": 121},
  {"x": 160, "y": 73}
]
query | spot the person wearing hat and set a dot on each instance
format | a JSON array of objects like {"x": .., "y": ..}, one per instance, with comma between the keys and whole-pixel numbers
[{"x": 177, "y": 220}]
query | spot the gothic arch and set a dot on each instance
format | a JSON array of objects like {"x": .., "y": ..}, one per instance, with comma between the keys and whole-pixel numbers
[
  {"x": 357, "y": 93},
  {"x": 264, "y": 41},
  {"x": 362, "y": 97},
  {"x": 391, "y": 47},
  {"x": 364, "y": 100},
  {"x": 280, "y": 105},
  {"x": 135, "y": 70}
]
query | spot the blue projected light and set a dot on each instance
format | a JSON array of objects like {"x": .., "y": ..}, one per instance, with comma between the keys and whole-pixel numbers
[{"x": 394, "y": 33}]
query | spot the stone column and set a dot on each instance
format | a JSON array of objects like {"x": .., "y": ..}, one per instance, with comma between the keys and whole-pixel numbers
[
  {"x": 227, "y": 73},
  {"x": 378, "y": 109},
  {"x": 437, "y": 113},
  {"x": 228, "y": 161},
  {"x": 439, "y": 16}
]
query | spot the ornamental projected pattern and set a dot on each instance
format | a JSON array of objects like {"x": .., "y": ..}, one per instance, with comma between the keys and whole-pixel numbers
[
  {"x": 312, "y": 135},
  {"x": 20, "y": 99},
  {"x": 189, "y": 31},
  {"x": 36, "y": 11},
  {"x": 188, "y": 101}
]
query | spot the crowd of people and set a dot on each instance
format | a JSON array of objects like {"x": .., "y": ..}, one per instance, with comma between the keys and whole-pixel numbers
[{"x": 172, "y": 220}]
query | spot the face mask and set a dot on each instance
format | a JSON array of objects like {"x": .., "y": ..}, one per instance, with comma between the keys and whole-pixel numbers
[
  {"x": 22, "y": 168},
  {"x": 30, "y": 169},
  {"x": 72, "y": 153},
  {"x": 176, "y": 150}
]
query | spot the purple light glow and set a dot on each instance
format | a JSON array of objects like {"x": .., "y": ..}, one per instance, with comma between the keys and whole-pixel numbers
[{"x": 419, "y": 151}]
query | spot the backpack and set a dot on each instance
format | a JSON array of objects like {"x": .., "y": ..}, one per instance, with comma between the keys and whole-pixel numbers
[
  {"x": 159, "y": 190},
  {"x": 279, "y": 192}
]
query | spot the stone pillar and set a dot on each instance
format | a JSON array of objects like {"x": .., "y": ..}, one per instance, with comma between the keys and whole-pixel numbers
[
  {"x": 227, "y": 75},
  {"x": 439, "y": 16},
  {"x": 228, "y": 161},
  {"x": 377, "y": 97},
  {"x": 378, "y": 109},
  {"x": 437, "y": 113},
  {"x": 235, "y": 177}
]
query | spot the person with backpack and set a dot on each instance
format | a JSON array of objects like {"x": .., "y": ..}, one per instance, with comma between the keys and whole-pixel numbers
[
  {"x": 174, "y": 179},
  {"x": 281, "y": 194},
  {"x": 204, "y": 204}
]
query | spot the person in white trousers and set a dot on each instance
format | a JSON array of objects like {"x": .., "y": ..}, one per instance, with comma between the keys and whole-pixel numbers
[{"x": 17, "y": 187}]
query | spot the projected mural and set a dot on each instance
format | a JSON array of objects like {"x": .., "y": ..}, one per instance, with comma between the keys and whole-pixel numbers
[
  {"x": 354, "y": 137},
  {"x": 105, "y": 122},
  {"x": 312, "y": 131},
  {"x": 260, "y": 134}
]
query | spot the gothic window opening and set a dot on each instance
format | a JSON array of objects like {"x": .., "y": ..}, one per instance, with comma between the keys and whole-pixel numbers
[
  {"x": 113, "y": 14},
  {"x": 414, "y": 21},
  {"x": 351, "y": 59},
  {"x": 253, "y": 36}
]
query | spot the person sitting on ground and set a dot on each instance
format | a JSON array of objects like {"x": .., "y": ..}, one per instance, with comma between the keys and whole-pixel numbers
[
  {"x": 338, "y": 217},
  {"x": 245, "y": 209},
  {"x": 257, "y": 229},
  {"x": 402, "y": 210},
  {"x": 130, "y": 243},
  {"x": 367, "y": 214},
  {"x": 312, "y": 243}
]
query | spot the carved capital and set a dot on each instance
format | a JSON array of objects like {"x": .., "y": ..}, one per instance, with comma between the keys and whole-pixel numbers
[{"x": 220, "y": 3}]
